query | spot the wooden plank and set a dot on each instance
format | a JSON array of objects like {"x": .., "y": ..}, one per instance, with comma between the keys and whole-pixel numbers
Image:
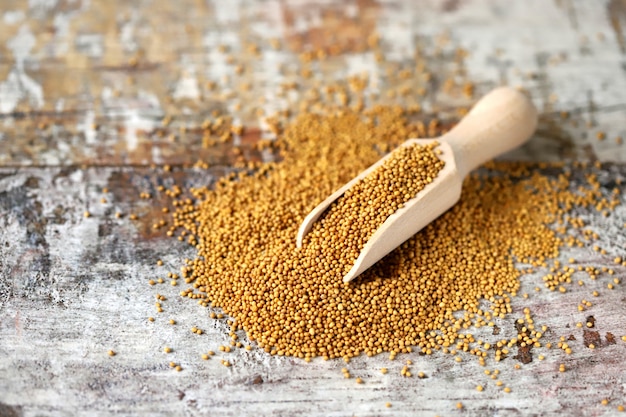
[{"x": 83, "y": 91}]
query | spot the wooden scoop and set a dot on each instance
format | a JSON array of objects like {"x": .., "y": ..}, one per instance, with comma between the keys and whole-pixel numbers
[{"x": 501, "y": 121}]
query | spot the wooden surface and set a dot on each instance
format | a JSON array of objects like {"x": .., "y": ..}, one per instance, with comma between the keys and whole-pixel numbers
[{"x": 84, "y": 87}]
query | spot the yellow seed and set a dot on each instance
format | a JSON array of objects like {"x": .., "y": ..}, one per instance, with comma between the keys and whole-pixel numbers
[
  {"x": 359, "y": 381},
  {"x": 383, "y": 370},
  {"x": 111, "y": 353},
  {"x": 290, "y": 300},
  {"x": 507, "y": 389},
  {"x": 86, "y": 214},
  {"x": 388, "y": 405},
  {"x": 479, "y": 388},
  {"x": 205, "y": 356},
  {"x": 167, "y": 349}
]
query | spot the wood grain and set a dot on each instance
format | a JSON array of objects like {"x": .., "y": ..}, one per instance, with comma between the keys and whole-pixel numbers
[{"x": 84, "y": 88}]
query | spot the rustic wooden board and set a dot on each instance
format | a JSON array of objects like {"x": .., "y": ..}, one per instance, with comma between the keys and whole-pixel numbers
[{"x": 84, "y": 87}]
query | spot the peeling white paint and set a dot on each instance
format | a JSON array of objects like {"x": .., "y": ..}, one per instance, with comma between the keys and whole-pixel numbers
[
  {"x": 272, "y": 25},
  {"x": 187, "y": 86},
  {"x": 21, "y": 45},
  {"x": 18, "y": 85},
  {"x": 13, "y": 16},
  {"x": 61, "y": 33},
  {"x": 42, "y": 4},
  {"x": 145, "y": 118},
  {"x": 127, "y": 36},
  {"x": 91, "y": 44},
  {"x": 227, "y": 14},
  {"x": 351, "y": 10},
  {"x": 132, "y": 124},
  {"x": 214, "y": 39},
  {"x": 217, "y": 67},
  {"x": 86, "y": 126},
  {"x": 364, "y": 64},
  {"x": 150, "y": 99},
  {"x": 157, "y": 158}
]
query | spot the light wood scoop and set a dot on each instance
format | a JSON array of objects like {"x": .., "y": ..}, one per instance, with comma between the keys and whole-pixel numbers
[{"x": 501, "y": 121}]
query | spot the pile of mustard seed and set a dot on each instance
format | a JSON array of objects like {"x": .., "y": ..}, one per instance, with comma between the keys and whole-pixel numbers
[
  {"x": 346, "y": 226},
  {"x": 424, "y": 294}
]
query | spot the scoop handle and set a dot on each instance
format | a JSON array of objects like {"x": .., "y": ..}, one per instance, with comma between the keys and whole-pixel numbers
[{"x": 501, "y": 121}]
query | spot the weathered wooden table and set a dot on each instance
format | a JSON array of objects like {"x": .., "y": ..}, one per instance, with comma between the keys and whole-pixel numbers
[{"x": 84, "y": 88}]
